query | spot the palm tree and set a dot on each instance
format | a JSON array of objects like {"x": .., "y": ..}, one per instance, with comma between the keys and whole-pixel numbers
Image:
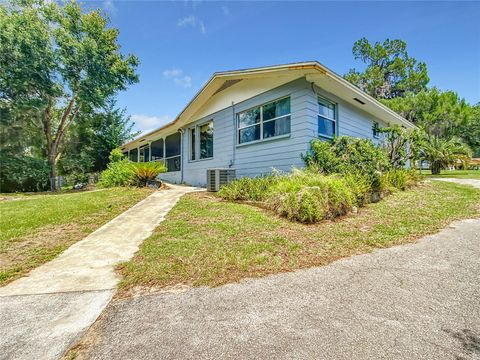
[{"x": 440, "y": 153}]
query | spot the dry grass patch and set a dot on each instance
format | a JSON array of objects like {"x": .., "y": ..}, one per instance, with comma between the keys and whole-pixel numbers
[
  {"x": 36, "y": 228},
  {"x": 207, "y": 241}
]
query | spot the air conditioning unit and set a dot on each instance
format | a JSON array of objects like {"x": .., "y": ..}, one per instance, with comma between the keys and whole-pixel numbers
[{"x": 216, "y": 178}]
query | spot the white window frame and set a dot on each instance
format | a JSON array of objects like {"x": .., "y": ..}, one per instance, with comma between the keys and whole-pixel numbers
[
  {"x": 261, "y": 122},
  {"x": 335, "y": 112},
  {"x": 196, "y": 128}
]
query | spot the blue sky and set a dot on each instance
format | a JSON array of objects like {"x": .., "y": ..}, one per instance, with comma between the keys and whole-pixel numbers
[{"x": 180, "y": 44}]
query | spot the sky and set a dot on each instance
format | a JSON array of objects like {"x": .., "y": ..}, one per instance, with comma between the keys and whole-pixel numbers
[{"x": 181, "y": 44}]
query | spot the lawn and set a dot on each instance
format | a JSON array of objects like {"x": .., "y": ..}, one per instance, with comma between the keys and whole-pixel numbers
[
  {"x": 460, "y": 174},
  {"x": 208, "y": 241},
  {"x": 36, "y": 228}
]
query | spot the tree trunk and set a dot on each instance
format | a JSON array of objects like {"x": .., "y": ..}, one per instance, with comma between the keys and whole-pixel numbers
[
  {"x": 52, "y": 160},
  {"x": 436, "y": 168}
]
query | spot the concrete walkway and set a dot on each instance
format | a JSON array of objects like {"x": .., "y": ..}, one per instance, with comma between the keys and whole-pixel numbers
[
  {"x": 416, "y": 301},
  {"x": 471, "y": 182},
  {"x": 43, "y": 313}
]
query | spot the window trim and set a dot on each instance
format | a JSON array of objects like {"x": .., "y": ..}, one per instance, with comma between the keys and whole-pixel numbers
[
  {"x": 261, "y": 122},
  {"x": 335, "y": 120},
  {"x": 197, "y": 142}
]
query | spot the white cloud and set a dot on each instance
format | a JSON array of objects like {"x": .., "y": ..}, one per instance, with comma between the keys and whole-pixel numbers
[
  {"x": 184, "y": 81},
  {"x": 178, "y": 77},
  {"x": 171, "y": 73},
  {"x": 187, "y": 21},
  {"x": 146, "y": 123},
  {"x": 203, "y": 30},
  {"x": 192, "y": 21}
]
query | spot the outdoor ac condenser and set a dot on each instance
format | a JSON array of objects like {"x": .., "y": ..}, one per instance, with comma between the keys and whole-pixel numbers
[{"x": 216, "y": 178}]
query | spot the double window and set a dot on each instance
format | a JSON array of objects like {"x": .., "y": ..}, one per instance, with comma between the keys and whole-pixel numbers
[
  {"x": 327, "y": 118},
  {"x": 201, "y": 141},
  {"x": 265, "y": 121}
]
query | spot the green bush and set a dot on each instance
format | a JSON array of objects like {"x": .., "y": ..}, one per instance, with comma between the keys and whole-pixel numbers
[
  {"x": 145, "y": 172},
  {"x": 306, "y": 196},
  {"x": 120, "y": 173},
  {"x": 248, "y": 189},
  {"x": 126, "y": 173},
  {"x": 399, "y": 179},
  {"x": 23, "y": 173},
  {"x": 346, "y": 155},
  {"x": 360, "y": 186}
]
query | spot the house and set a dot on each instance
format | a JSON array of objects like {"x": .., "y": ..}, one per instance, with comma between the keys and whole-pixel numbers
[{"x": 259, "y": 119}]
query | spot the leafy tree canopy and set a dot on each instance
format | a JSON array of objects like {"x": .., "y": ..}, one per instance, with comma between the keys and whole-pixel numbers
[
  {"x": 390, "y": 72},
  {"x": 57, "y": 62}
]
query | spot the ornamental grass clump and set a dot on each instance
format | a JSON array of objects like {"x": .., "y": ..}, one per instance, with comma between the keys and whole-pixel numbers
[
  {"x": 249, "y": 189},
  {"x": 310, "y": 197}
]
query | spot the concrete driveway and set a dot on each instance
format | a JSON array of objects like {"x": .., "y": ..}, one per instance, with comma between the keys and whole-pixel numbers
[{"x": 418, "y": 301}]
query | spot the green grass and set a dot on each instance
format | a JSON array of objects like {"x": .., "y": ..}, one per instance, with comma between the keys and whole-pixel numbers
[
  {"x": 460, "y": 174},
  {"x": 36, "y": 228},
  {"x": 208, "y": 241}
]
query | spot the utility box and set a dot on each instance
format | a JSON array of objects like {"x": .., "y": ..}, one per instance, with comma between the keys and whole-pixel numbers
[{"x": 216, "y": 178}]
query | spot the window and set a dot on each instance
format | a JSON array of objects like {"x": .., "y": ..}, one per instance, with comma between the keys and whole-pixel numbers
[
  {"x": 327, "y": 118},
  {"x": 206, "y": 140},
  {"x": 173, "y": 152},
  {"x": 125, "y": 154},
  {"x": 376, "y": 130},
  {"x": 266, "y": 121},
  {"x": 201, "y": 141},
  {"x": 145, "y": 153},
  {"x": 133, "y": 155},
  {"x": 156, "y": 148}
]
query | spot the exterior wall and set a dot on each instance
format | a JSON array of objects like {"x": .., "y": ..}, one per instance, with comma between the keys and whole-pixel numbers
[
  {"x": 281, "y": 153},
  {"x": 352, "y": 121},
  {"x": 257, "y": 158}
]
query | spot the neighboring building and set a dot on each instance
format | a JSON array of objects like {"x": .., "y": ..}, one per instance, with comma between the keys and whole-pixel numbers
[{"x": 255, "y": 120}]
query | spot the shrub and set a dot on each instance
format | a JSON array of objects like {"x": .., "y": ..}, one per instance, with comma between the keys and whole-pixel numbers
[
  {"x": 23, "y": 173},
  {"x": 248, "y": 189},
  {"x": 360, "y": 186},
  {"x": 118, "y": 173},
  {"x": 306, "y": 196},
  {"x": 145, "y": 172},
  {"x": 399, "y": 179},
  {"x": 348, "y": 155},
  {"x": 308, "y": 204},
  {"x": 116, "y": 155}
]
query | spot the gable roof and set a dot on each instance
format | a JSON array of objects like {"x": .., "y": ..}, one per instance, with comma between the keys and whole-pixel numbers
[{"x": 313, "y": 71}]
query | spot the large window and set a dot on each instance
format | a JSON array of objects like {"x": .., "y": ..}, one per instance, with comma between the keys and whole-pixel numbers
[
  {"x": 156, "y": 148},
  {"x": 173, "y": 152},
  {"x": 133, "y": 155},
  {"x": 265, "y": 121},
  {"x": 327, "y": 118},
  {"x": 201, "y": 141},
  {"x": 206, "y": 140}
]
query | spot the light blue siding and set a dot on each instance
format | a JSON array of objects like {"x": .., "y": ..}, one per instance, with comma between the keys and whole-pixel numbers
[{"x": 282, "y": 153}]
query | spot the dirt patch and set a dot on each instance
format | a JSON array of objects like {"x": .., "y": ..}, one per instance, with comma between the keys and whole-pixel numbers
[{"x": 19, "y": 255}]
